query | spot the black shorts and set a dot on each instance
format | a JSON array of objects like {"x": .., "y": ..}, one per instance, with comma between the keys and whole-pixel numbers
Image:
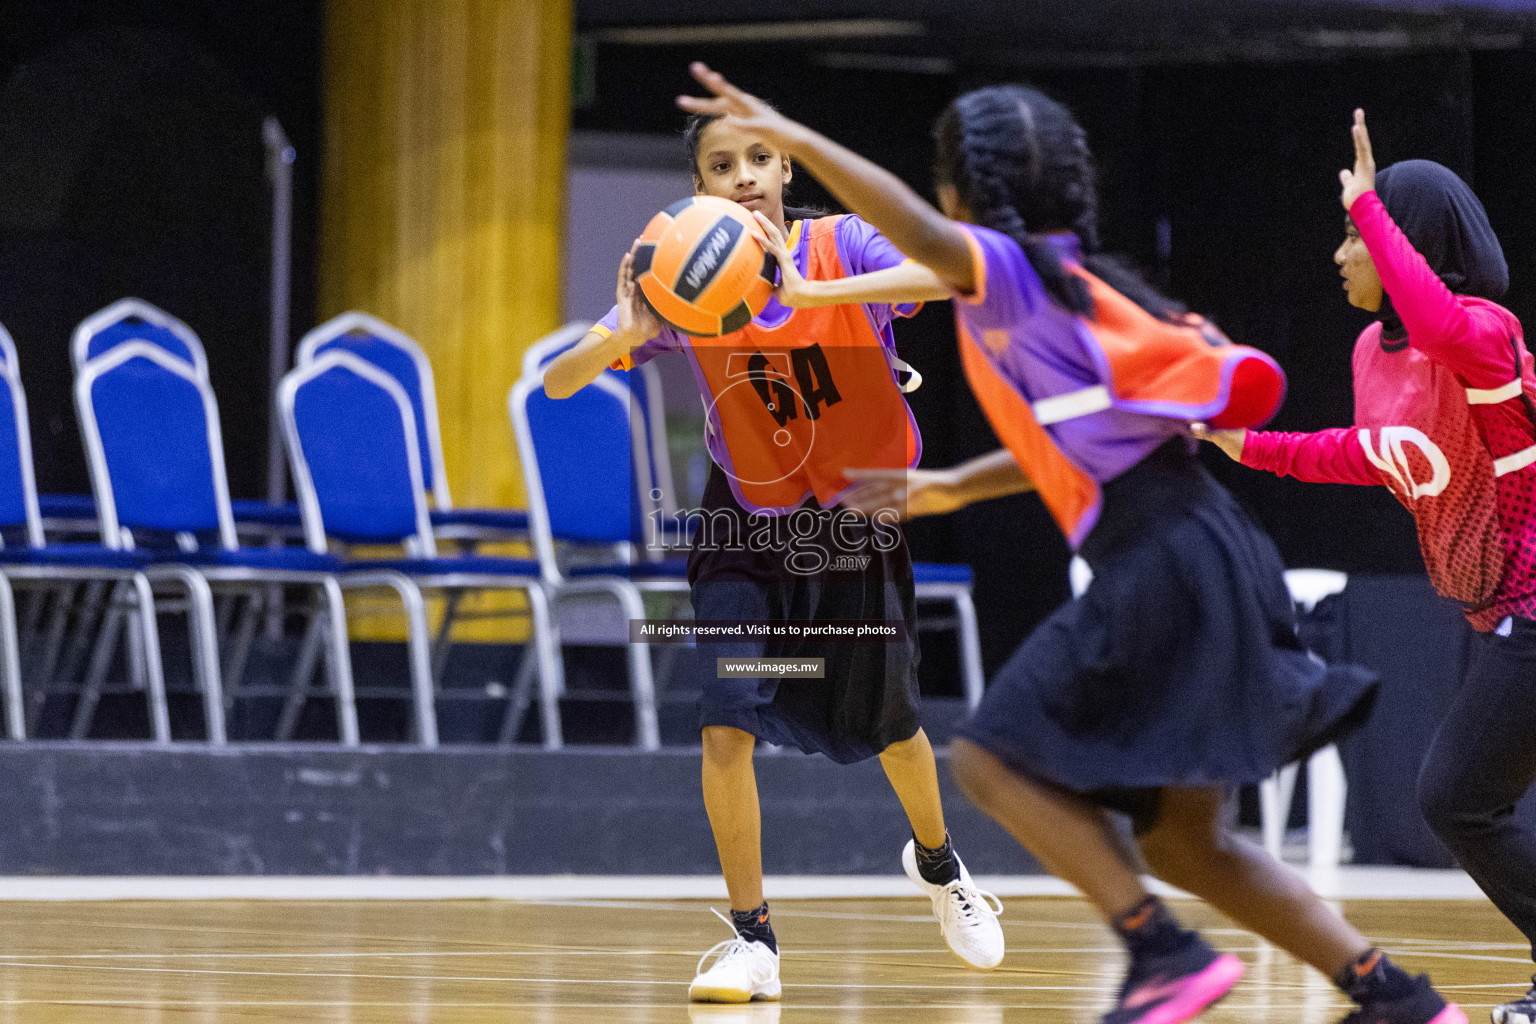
[{"x": 869, "y": 697}]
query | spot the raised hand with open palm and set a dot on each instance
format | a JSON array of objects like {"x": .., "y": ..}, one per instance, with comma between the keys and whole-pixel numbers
[{"x": 1363, "y": 178}]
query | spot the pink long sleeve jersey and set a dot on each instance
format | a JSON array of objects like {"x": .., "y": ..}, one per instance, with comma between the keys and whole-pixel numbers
[{"x": 1444, "y": 419}]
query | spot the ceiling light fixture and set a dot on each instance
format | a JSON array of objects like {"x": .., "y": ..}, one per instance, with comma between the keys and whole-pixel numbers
[{"x": 760, "y": 32}]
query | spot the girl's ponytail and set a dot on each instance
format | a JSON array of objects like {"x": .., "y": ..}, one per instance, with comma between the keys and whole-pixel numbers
[
  {"x": 1021, "y": 165},
  {"x": 992, "y": 204}
]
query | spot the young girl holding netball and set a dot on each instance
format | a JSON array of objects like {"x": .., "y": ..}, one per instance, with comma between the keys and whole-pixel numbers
[
  {"x": 819, "y": 381},
  {"x": 1178, "y": 674},
  {"x": 1445, "y": 418}
]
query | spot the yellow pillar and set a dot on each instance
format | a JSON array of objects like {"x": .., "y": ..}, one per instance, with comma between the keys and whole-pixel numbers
[
  {"x": 442, "y": 199},
  {"x": 442, "y": 205}
]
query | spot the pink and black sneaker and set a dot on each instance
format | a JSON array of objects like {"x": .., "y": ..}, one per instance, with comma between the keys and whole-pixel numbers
[
  {"x": 1389, "y": 996},
  {"x": 1174, "y": 975},
  {"x": 1175, "y": 986}
]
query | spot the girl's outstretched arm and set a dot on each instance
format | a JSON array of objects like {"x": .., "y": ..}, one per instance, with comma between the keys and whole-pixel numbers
[
  {"x": 897, "y": 286},
  {"x": 867, "y": 189},
  {"x": 1338, "y": 455},
  {"x": 582, "y": 363},
  {"x": 926, "y": 492}
]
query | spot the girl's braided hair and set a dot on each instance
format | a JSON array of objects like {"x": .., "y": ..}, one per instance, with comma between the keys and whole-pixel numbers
[{"x": 1021, "y": 165}]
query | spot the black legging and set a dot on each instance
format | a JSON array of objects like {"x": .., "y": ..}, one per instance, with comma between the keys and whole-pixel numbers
[{"x": 1481, "y": 763}]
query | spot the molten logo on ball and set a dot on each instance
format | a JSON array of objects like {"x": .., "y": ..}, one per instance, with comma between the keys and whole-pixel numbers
[
  {"x": 706, "y": 259},
  {"x": 701, "y": 267}
]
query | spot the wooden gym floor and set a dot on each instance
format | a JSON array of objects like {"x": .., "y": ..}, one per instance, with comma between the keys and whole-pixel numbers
[{"x": 621, "y": 961}]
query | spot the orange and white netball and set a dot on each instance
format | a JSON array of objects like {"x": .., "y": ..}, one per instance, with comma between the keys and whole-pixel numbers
[{"x": 701, "y": 267}]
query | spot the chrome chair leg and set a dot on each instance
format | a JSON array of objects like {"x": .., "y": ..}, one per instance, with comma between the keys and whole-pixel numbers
[
  {"x": 418, "y": 642},
  {"x": 10, "y": 663},
  {"x": 154, "y": 667},
  {"x": 551, "y": 668},
  {"x": 112, "y": 621},
  {"x": 338, "y": 663},
  {"x": 298, "y": 681}
]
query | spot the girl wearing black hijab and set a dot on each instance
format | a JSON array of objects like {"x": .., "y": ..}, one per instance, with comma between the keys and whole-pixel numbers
[{"x": 1445, "y": 417}]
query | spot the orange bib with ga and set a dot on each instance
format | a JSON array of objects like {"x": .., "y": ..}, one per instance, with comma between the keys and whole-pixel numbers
[{"x": 797, "y": 403}]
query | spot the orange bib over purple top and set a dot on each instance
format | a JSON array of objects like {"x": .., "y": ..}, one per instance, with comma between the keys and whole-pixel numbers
[
  {"x": 799, "y": 395},
  {"x": 1078, "y": 402}
]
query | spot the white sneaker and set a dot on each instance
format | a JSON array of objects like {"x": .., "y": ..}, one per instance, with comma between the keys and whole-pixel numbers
[
  {"x": 967, "y": 915},
  {"x": 1518, "y": 1011},
  {"x": 744, "y": 970}
]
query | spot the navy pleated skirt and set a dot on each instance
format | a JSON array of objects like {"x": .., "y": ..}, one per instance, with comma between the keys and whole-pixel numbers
[{"x": 1179, "y": 666}]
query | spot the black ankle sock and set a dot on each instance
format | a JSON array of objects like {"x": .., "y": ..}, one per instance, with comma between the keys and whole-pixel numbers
[
  {"x": 938, "y": 866},
  {"x": 1149, "y": 929},
  {"x": 1371, "y": 977},
  {"x": 755, "y": 926}
]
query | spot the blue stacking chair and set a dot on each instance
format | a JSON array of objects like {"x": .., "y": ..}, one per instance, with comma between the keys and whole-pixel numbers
[
  {"x": 136, "y": 320},
  {"x": 398, "y": 354},
  {"x": 357, "y": 467},
  {"x": 151, "y": 429},
  {"x": 951, "y": 584},
  {"x": 121, "y": 321},
  {"x": 35, "y": 562},
  {"x": 587, "y": 469},
  {"x": 644, "y": 383}
]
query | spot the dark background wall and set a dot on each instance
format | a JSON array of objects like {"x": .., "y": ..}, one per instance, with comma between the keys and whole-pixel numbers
[{"x": 131, "y": 163}]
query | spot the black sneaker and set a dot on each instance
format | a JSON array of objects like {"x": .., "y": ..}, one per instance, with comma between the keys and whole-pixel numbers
[
  {"x": 1520, "y": 1011},
  {"x": 1176, "y": 987},
  {"x": 1421, "y": 1005}
]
